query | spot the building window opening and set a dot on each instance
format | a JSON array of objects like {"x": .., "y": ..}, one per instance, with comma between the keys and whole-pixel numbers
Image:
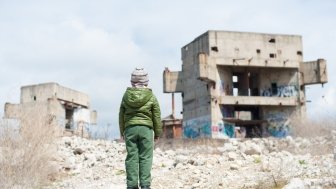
[
  {"x": 253, "y": 84},
  {"x": 258, "y": 51},
  {"x": 34, "y": 98},
  {"x": 246, "y": 120},
  {"x": 272, "y": 40},
  {"x": 69, "y": 118},
  {"x": 274, "y": 88},
  {"x": 241, "y": 83},
  {"x": 235, "y": 85},
  {"x": 272, "y": 55},
  {"x": 235, "y": 91},
  {"x": 214, "y": 48},
  {"x": 235, "y": 79},
  {"x": 299, "y": 53}
]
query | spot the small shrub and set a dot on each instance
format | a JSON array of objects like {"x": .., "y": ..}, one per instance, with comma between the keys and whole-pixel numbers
[
  {"x": 302, "y": 162},
  {"x": 257, "y": 160}
]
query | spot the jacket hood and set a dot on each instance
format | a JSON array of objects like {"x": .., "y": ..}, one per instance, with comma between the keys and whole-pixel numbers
[{"x": 137, "y": 97}]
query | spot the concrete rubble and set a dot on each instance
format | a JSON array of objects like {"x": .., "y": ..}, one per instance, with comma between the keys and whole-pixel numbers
[{"x": 189, "y": 164}]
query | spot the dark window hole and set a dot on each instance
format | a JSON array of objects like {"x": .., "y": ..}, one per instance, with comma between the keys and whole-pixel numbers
[{"x": 214, "y": 49}]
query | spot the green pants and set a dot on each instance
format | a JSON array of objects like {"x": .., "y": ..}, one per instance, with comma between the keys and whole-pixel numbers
[{"x": 139, "y": 146}]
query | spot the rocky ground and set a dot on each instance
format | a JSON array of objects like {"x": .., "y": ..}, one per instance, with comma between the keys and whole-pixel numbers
[{"x": 190, "y": 164}]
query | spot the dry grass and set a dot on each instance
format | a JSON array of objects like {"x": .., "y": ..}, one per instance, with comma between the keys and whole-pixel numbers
[
  {"x": 320, "y": 125},
  {"x": 311, "y": 128},
  {"x": 26, "y": 152}
]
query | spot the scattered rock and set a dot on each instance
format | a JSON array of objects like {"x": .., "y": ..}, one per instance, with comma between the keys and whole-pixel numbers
[
  {"x": 235, "y": 163},
  {"x": 78, "y": 151},
  {"x": 295, "y": 183}
]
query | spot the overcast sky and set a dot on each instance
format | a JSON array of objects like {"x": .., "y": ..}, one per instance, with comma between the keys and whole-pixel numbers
[{"x": 93, "y": 46}]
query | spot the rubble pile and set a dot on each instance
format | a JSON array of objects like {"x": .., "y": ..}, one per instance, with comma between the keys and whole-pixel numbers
[{"x": 190, "y": 164}]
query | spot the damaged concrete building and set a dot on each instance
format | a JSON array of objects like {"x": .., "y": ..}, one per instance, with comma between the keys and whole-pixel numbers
[
  {"x": 70, "y": 108},
  {"x": 242, "y": 83}
]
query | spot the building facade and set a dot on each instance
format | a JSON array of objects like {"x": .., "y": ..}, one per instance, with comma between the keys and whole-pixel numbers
[
  {"x": 70, "y": 108},
  {"x": 242, "y": 84}
]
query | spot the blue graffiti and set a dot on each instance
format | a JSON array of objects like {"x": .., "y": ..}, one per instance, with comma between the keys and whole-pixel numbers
[
  {"x": 199, "y": 127},
  {"x": 278, "y": 124},
  {"x": 229, "y": 129},
  {"x": 281, "y": 91},
  {"x": 280, "y": 132}
]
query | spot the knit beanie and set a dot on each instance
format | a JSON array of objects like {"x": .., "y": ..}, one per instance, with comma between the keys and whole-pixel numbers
[{"x": 139, "y": 77}]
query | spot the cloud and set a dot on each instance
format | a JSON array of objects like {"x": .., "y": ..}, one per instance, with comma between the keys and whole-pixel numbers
[{"x": 94, "y": 46}]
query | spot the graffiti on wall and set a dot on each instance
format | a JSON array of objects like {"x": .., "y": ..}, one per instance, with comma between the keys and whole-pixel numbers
[
  {"x": 198, "y": 127},
  {"x": 223, "y": 130},
  {"x": 278, "y": 124},
  {"x": 281, "y": 91}
]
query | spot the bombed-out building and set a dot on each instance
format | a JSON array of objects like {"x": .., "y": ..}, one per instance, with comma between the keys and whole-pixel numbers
[
  {"x": 242, "y": 84},
  {"x": 70, "y": 108}
]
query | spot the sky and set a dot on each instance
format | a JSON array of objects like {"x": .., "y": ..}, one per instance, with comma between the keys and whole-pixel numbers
[{"x": 93, "y": 46}]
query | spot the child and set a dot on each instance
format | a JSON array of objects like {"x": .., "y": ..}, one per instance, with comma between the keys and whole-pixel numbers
[{"x": 139, "y": 116}]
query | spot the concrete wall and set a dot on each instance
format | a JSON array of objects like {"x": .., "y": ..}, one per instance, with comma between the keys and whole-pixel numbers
[
  {"x": 23, "y": 111},
  {"x": 172, "y": 81},
  {"x": 197, "y": 127},
  {"x": 196, "y": 98},
  {"x": 37, "y": 93},
  {"x": 286, "y": 80},
  {"x": 314, "y": 72},
  {"x": 245, "y": 45},
  {"x": 42, "y": 92},
  {"x": 74, "y": 96},
  {"x": 278, "y": 120}
]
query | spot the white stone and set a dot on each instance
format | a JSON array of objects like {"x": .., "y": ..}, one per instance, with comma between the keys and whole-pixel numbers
[
  {"x": 232, "y": 156},
  {"x": 234, "y": 166},
  {"x": 191, "y": 165}
]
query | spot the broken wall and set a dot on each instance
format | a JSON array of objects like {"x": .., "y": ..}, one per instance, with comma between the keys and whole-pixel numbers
[
  {"x": 314, "y": 72},
  {"x": 43, "y": 92},
  {"x": 195, "y": 95}
]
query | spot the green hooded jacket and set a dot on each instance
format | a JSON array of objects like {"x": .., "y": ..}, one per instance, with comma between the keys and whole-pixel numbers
[{"x": 139, "y": 106}]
